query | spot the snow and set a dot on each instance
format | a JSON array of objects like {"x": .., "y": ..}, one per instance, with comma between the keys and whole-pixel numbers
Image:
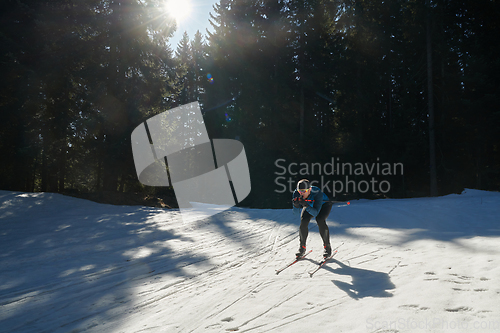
[{"x": 406, "y": 265}]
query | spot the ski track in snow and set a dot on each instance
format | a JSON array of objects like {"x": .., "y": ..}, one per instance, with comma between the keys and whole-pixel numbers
[{"x": 407, "y": 265}]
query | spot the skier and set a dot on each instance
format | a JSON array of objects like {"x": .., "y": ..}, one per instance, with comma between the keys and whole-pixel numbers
[{"x": 311, "y": 201}]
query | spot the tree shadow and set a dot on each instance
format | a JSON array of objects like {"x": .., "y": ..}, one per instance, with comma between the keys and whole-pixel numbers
[
  {"x": 446, "y": 218},
  {"x": 71, "y": 264},
  {"x": 365, "y": 283},
  {"x": 68, "y": 263}
]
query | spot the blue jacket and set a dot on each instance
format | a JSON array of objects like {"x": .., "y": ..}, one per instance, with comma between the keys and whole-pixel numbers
[{"x": 315, "y": 200}]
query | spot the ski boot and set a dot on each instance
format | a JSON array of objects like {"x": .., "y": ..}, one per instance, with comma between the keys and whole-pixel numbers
[
  {"x": 301, "y": 252},
  {"x": 328, "y": 251}
]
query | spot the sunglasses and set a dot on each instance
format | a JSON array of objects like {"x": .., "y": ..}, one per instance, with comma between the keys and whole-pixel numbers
[{"x": 302, "y": 190}]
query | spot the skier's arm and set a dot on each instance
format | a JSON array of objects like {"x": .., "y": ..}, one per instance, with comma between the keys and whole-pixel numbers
[
  {"x": 297, "y": 206},
  {"x": 316, "y": 205}
]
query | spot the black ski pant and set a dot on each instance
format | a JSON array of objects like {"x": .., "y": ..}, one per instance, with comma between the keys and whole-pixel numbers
[{"x": 305, "y": 218}]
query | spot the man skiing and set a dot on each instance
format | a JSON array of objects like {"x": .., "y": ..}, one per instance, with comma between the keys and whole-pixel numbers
[{"x": 310, "y": 201}]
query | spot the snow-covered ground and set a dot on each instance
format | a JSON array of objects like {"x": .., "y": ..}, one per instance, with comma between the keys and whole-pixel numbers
[{"x": 407, "y": 265}]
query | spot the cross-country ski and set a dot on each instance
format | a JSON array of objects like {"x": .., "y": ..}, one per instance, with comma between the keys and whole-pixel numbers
[
  {"x": 321, "y": 264},
  {"x": 279, "y": 270}
]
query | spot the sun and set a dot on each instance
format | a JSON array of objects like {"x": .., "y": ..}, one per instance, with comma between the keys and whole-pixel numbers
[{"x": 179, "y": 10}]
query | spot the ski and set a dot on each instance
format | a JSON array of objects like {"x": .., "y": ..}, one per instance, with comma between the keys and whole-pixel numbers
[
  {"x": 311, "y": 273},
  {"x": 334, "y": 252},
  {"x": 291, "y": 263}
]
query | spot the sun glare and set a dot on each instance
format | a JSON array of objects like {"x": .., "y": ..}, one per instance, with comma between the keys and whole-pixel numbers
[{"x": 179, "y": 10}]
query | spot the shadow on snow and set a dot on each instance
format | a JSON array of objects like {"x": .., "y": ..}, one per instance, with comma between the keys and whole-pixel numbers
[{"x": 365, "y": 282}]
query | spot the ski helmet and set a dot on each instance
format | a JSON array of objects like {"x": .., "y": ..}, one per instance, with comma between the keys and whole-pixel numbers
[{"x": 303, "y": 184}]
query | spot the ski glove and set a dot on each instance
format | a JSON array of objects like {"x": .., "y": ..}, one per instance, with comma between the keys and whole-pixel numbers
[
  {"x": 296, "y": 203},
  {"x": 299, "y": 202}
]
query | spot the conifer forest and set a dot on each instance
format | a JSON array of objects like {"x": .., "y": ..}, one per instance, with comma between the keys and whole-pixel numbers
[{"x": 404, "y": 89}]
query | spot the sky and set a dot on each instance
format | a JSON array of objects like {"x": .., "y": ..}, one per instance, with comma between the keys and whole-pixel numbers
[{"x": 197, "y": 20}]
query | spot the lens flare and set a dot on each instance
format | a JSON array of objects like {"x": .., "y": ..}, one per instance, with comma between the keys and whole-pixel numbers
[{"x": 179, "y": 10}]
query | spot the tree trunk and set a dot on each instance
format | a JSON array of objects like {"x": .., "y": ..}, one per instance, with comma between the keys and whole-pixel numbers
[
  {"x": 44, "y": 172},
  {"x": 62, "y": 169},
  {"x": 430, "y": 102},
  {"x": 301, "y": 118}
]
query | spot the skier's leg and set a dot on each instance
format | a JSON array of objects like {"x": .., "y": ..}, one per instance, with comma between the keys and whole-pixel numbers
[
  {"x": 321, "y": 220},
  {"x": 305, "y": 217}
]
